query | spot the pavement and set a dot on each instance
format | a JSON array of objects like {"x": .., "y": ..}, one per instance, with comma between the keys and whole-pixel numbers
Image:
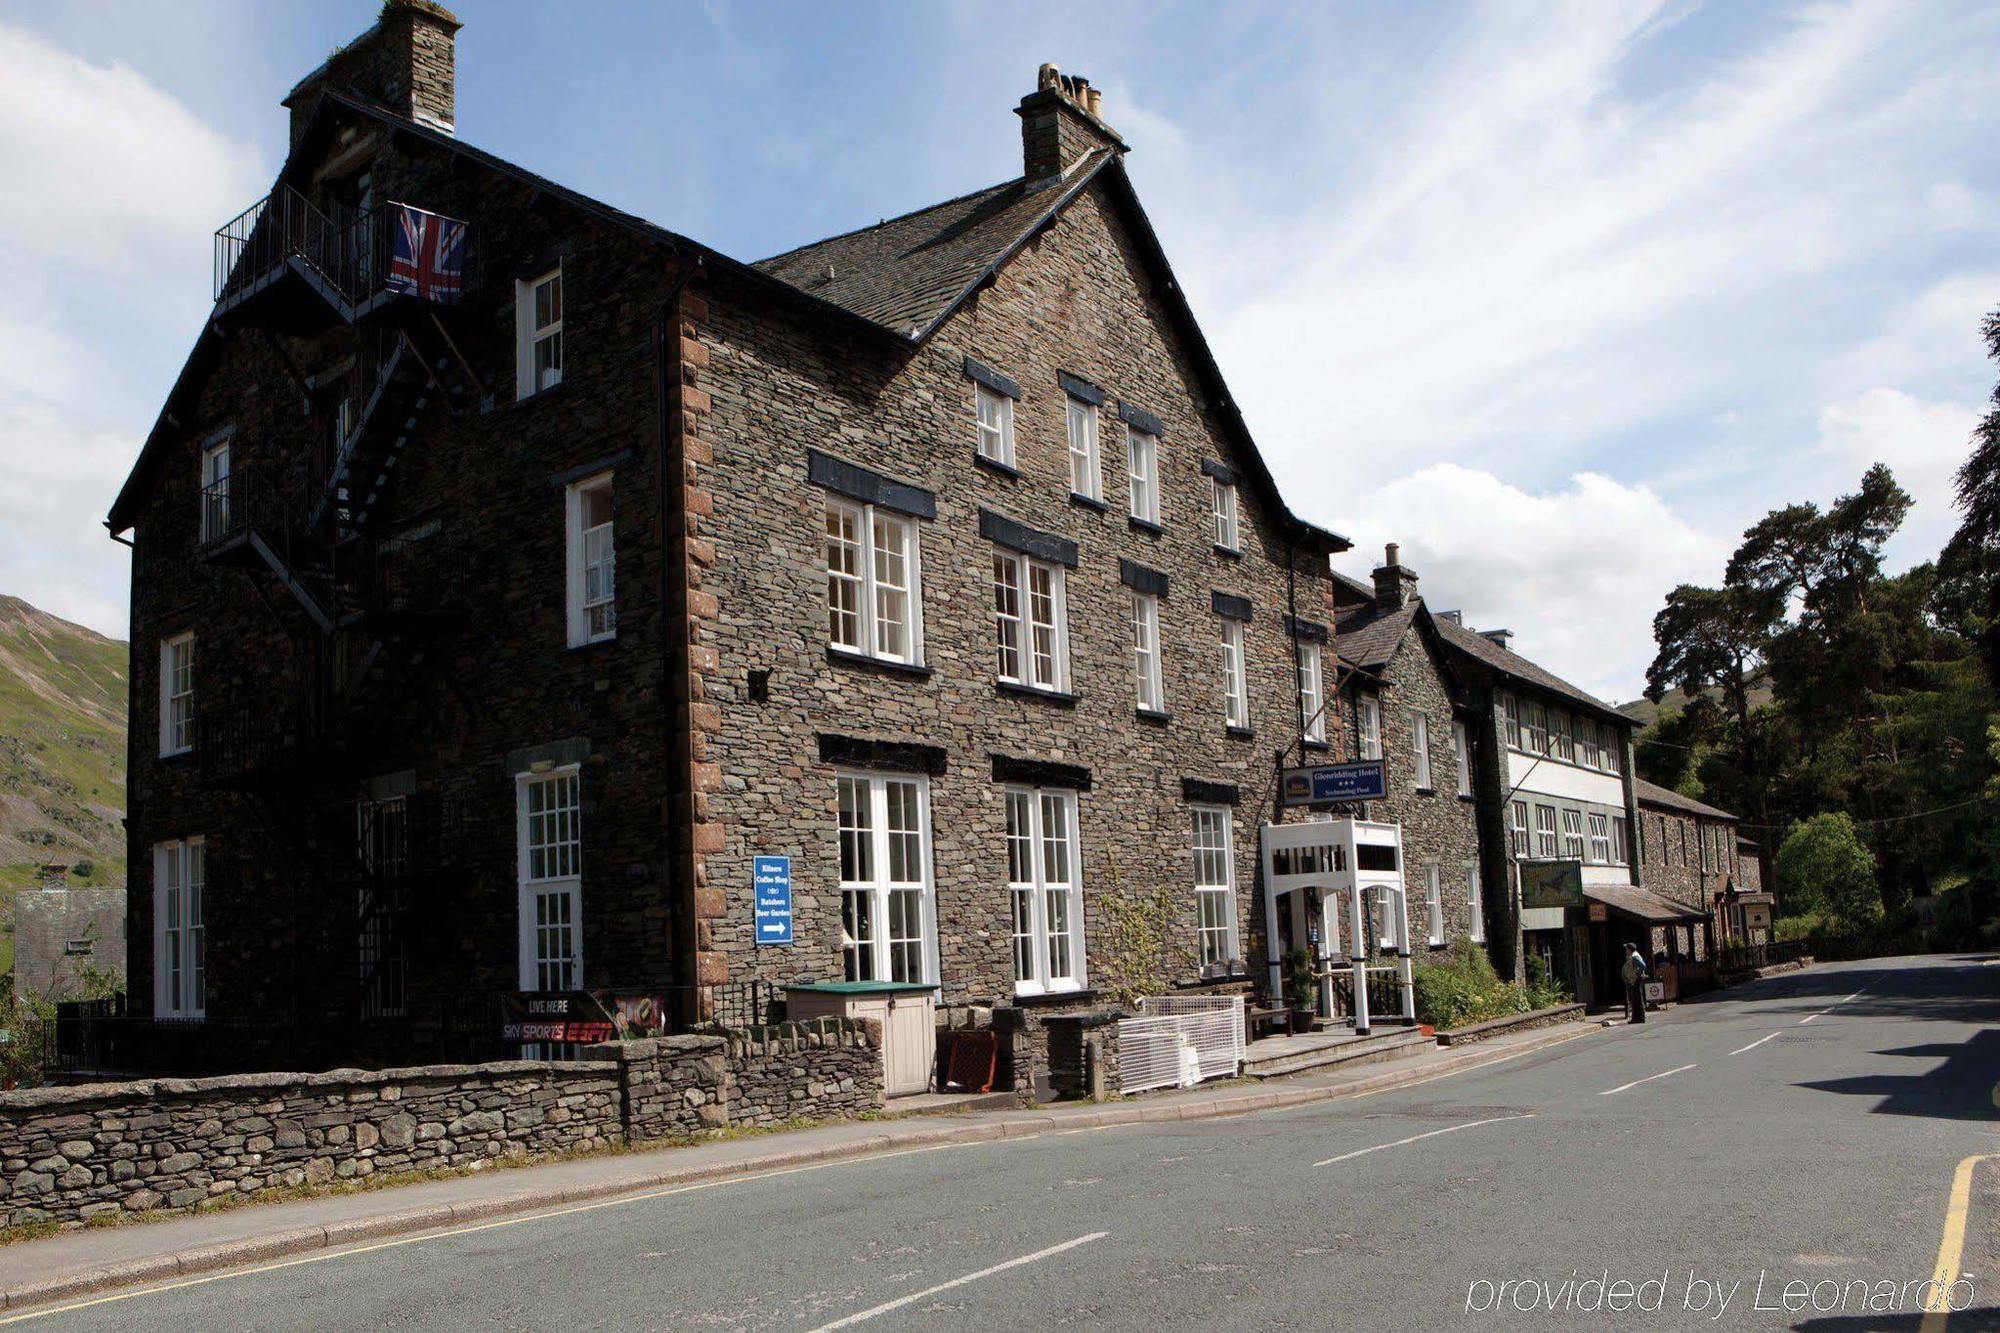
[{"x": 1806, "y": 1133}]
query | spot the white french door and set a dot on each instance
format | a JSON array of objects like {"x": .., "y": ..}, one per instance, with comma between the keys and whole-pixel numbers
[
  {"x": 888, "y": 930},
  {"x": 1045, "y": 885},
  {"x": 550, "y": 837}
]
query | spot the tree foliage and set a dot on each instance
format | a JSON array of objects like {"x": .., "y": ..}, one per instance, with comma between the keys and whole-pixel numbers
[{"x": 1826, "y": 868}]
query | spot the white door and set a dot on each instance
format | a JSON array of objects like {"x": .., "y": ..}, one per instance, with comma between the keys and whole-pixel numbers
[{"x": 909, "y": 1044}]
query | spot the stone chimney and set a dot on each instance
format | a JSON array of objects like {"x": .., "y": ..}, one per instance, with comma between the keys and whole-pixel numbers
[
  {"x": 1395, "y": 586},
  {"x": 1060, "y": 122},
  {"x": 406, "y": 62}
]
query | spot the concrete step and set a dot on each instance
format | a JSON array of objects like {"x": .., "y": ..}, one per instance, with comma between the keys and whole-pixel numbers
[{"x": 1382, "y": 1044}]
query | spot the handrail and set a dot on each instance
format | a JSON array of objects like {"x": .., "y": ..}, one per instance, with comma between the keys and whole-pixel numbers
[{"x": 352, "y": 254}]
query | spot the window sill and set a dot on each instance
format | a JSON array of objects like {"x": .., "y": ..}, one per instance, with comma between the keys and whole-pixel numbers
[
  {"x": 1153, "y": 715},
  {"x": 848, "y": 657},
  {"x": 995, "y": 465},
  {"x": 1467, "y": 797},
  {"x": 1147, "y": 525},
  {"x": 1084, "y": 501},
  {"x": 1439, "y": 944},
  {"x": 1320, "y": 747},
  {"x": 1043, "y": 999},
  {"x": 1228, "y": 552},
  {"x": 1239, "y": 733},
  {"x": 1060, "y": 698},
  {"x": 540, "y": 395},
  {"x": 1424, "y": 791},
  {"x": 178, "y": 757},
  {"x": 578, "y": 645}
]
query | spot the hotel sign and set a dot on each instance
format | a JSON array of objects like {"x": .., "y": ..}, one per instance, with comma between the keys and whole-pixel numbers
[{"x": 1325, "y": 784}]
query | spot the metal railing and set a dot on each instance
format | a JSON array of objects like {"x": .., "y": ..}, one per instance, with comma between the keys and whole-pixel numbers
[
  {"x": 1749, "y": 957},
  {"x": 352, "y": 250},
  {"x": 239, "y": 742}
]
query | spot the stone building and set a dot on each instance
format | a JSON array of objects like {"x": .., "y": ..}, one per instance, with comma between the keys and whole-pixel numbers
[
  {"x": 1692, "y": 853},
  {"x": 510, "y": 575},
  {"x": 1552, "y": 776},
  {"x": 66, "y": 937},
  {"x": 1398, "y": 701}
]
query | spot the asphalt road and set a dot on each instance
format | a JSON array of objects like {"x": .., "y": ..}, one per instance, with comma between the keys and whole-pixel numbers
[{"x": 1807, "y": 1130}]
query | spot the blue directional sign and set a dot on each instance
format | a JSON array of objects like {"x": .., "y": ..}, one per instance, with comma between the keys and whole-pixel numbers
[
  {"x": 771, "y": 880},
  {"x": 1321, "y": 784}
]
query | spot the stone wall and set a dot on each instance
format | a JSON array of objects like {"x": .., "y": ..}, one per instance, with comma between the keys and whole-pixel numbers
[{"x": 71, "y": 1154}]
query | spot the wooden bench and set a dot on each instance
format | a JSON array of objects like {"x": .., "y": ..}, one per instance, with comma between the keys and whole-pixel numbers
[{"x": 1257, "y": 1014}]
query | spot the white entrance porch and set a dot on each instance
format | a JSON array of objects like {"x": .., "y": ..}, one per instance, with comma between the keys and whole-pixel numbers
[{"x": 1311, "y": 870}]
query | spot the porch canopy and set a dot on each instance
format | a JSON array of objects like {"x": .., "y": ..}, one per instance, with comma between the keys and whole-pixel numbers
[{"x": 1648, "y": 909}]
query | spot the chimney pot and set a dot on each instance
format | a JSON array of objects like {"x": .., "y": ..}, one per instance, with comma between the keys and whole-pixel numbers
[
  {"x": 1390, "y": 552},
  {"x": 1395, "y": 586},
  {"x": 1060, "y": 124}
]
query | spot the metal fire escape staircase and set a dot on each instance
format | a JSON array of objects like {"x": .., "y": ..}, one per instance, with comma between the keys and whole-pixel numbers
[{"x": 286, "y": 267}]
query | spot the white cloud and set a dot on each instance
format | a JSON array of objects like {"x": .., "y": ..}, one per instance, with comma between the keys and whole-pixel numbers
[
  {"x": 1922, "y": 442},
  {"x": 104, "y": 167},
  {"x": 1576, "y": 573},
  {"x": 61, "y": 477}
]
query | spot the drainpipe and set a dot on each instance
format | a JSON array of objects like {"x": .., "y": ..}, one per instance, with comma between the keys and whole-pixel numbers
[{"x": 671, "y": 653}]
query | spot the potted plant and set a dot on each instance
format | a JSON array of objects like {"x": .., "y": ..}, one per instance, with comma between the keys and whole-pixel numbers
[{"x": 1301, "y": 989}]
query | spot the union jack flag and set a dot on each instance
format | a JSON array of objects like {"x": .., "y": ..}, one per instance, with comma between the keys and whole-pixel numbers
[{"x": 430, "y": 254}]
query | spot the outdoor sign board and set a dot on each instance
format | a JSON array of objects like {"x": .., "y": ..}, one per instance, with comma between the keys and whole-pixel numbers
[
  {"x": 771, "y": 885},
  {"x": 1551, "y": 884},
  {"x": 1324, "y": 784},
  {"x": 580, "y": 1017}
]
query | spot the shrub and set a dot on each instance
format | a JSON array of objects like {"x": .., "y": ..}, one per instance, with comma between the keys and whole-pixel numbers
[{"x": 1465, "y": 989}]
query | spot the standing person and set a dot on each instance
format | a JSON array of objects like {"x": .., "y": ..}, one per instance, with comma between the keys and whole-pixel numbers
[{"x": 1634, "y": 975}]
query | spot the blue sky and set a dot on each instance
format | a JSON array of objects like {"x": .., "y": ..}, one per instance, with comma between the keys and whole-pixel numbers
[{"x": 1559, "y": 299}]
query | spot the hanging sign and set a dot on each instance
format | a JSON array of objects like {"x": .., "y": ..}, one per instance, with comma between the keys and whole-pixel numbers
[
  {"x": 1324, "y": 784},
  {"x": 771, "y": 888}
]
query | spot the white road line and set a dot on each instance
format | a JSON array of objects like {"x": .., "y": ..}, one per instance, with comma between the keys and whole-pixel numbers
[
  {"x": 1648, "y": 1079},
  {"x": 1810, "y": 1017},
  {"x": 1753, "y": 1045},
  {"x": 914, "y": 1296},
  {"x": 1448, "y": 1129}
]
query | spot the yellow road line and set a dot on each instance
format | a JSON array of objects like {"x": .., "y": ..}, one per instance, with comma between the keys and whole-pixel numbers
[{"x": 1952, "y": 1247}]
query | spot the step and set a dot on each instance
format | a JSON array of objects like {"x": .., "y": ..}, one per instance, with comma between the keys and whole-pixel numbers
[{"x": 1381, "y": 1044}]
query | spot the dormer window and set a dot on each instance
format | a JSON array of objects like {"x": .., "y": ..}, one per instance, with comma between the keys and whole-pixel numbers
[{"x": 538, "y": 324}]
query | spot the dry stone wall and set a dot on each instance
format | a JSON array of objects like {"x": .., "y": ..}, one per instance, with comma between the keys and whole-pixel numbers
[{"x": 73, "y": 1154}]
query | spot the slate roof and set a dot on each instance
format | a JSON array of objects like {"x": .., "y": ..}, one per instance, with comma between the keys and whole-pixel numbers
[
  {"x": 1367, "y": 636},
  {"x": 911, "y": 272},
  {"x": 1510, "y": 663},
  {"x": 1651, "y": 793},
  {"x": 1641, "y": 905}
]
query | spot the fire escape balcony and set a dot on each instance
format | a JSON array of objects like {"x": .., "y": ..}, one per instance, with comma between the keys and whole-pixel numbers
[{"x": 286, "y": 264}]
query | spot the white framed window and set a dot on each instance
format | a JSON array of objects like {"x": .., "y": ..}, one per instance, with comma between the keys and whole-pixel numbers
[
  {"x": 1031, "y": 621},
  {"x": 538, "y": 333},
  {"x": 1561, "y": 736},
  {"x": 1225, "y": 514},
  {"x": 1235, "y": 677},
  {"x": 874, "y": 597},
  {"x": 1614, "y": 750},
  {"x": 1368, "y": 726},
  {"x": 1475, "y": 900},
  {"x": 1510, "y": 715},
  {"x": 176, "y": 694},
  {"x": 215, "y": 492},
  {"x": 995, "y": 414},
  {"x": 1546, "y": 845},
  {"x": 1537, "y": 727},
  {"x": 1588, "y": 751},
  {"x": 1215, "y": 883},
  {"x": 1572, "y": 843},
  {"x": 1434, "y": 901},
  {"x": 1086, "y": 472},
  {"x": 1461, "y": 755},
  {"x": 1420, "y": 750},
  {"x": 1152, "y": 697},
  {"x": 1142, "y": 464},
  {"x": 1600, "y": 839},
  {"x": 1621, "y": 844},
  {"x": 549, "y": 834},
  {"x": 1044, "y": 882},
  {"x": 887, "y": 919},
  {"x": 1518, "y": 827},
  {"x": 592, "y": 561},
  {"x": 180, "y": 953},
  {"x": 1312, "y": 696}
]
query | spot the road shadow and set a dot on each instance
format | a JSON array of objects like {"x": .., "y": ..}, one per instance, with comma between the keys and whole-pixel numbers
[
  {"x": 1959, "y": 1089},
  {"x": 1951, "y": 988}
]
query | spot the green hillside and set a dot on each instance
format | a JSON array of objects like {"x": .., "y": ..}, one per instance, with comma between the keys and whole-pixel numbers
[
  {"x": 1644, "y": 711},
  {"x": 62, "y": 754}
]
